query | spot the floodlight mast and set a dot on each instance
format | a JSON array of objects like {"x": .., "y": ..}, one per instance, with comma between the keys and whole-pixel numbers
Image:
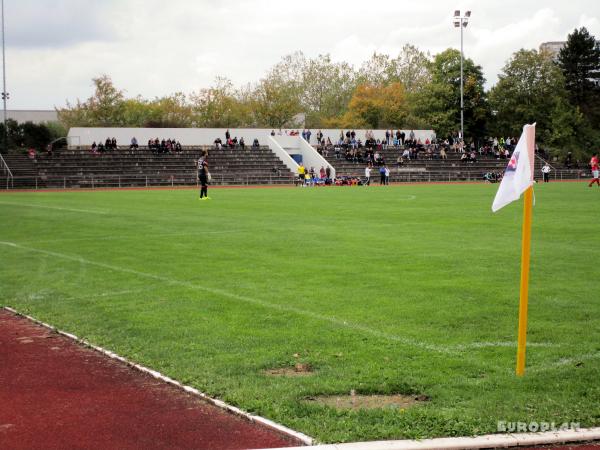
[
  {"x": 4, "y": 93},
  {"x": 461, "y": 22}
]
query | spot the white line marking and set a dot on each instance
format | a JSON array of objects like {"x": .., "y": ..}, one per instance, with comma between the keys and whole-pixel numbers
[
  {"x": 136, "y": 236},
  {"x": 29, "y": 205},
  {"x": 246, "y": 299},
  {"x": 219, "y": 403},
  {"x": 456, "y": 350},
  {"x": 470, "y": 442},
  {"x": 475, "y": 345},
  {"x": 563, "y": 362}
]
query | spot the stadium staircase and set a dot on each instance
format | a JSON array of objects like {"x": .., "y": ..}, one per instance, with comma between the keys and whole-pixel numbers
[{"x": 78, "y": 168}]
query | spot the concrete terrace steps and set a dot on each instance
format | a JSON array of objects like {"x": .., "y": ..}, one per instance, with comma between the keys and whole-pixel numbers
[{"x": 140, "y": 167}]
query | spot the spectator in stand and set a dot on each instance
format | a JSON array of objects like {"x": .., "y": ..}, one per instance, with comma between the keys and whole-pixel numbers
[
  {"x": 242, "y": 143},
  {"x": 94, "y": 147},
  {"x": 113, "y": 143},
  {"x": 443, "y": 153},
  {"x": 319, "y": 137},
  {"x": 400, "y": 161},
  {"x": 227, "y": 135},
  {"x": 328, "y": 174},
  {"x": 272, "y": 132},
  {"x": 134, "y": 144},
  {"x": 308, "y": 134},
  {"x": 234, "y": 141},
  {"x": 178, "y": 147},
  {"x": 388, "y": 135},
  {"x": 568, "y": 160},
  {"x": 218, "y": 143},
  {"x": 107, "y": 144},
  {"x": 322, "y": 173},
  {"x": 101, "y": 147},
  {"x": 255, "y": 143}
]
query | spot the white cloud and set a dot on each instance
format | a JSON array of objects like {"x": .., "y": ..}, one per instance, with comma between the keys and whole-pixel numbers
[{"x": 154, "y": 48}]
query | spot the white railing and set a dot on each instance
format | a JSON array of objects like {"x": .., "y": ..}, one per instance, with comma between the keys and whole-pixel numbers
[
  {"x": 7, "y": 172},
  {"x": 283, "y": 155},
  {"x": 312, "y": 158},
  {"x": 397, "y": 175}
]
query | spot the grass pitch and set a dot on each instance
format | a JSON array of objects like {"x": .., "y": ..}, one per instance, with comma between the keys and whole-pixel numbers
[{"x": 408, "y": 289}]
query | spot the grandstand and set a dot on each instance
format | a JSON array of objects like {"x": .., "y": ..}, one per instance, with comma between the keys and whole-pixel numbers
[{"x": 275, "y": 163}]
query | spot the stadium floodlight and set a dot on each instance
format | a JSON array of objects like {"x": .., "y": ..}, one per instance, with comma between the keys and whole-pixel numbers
[
  {"x": 461, "y": 22},
  {"x": 4, "y": 93}
]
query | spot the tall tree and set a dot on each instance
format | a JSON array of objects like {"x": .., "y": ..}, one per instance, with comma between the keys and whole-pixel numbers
[
  {"x": 411, "y": 68},
  {"x": 326, "y": 89},
  {"x": 219, "y": 106},
  {"x": 531, "y": 88},
  {"x": 437, "y": 104},
  {"x": 105, "y": 108},
  {"x": 579, "y": 60}
]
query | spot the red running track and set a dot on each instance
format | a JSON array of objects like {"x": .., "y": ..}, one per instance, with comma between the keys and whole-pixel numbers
[{"x": 57, "y": 394}]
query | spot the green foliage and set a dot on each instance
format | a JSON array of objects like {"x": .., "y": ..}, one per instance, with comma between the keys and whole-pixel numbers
[
  {"x": 531, "y": 89},
  {"x": 26, "y": 135},
  {"x": 579, "y": 61},
  {"x": 439, "y": 100}
]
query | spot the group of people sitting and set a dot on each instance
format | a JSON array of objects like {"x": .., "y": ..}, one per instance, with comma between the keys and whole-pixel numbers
[
  {"x": 312, "y": 178},
  {"x": 234, "y": 143},
  {"x": 492, "y": 177},
  {"x": 161, "y": 146},
  {"x": 108, "y": 145}
]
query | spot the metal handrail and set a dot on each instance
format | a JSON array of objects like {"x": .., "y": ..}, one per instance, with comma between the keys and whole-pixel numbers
[
  {"x": 545, "y": 162},
  {"x": 5, "y": 166}
]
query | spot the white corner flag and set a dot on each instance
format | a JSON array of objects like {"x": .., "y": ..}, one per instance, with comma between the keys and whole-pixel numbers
[{"x": 519, "y": 171}]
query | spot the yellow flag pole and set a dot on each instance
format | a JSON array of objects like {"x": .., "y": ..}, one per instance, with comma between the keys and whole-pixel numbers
[{"x": 524, "y": 292}]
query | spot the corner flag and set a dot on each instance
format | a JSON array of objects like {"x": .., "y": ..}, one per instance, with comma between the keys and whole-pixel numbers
[{"x": 518, "y": 178}]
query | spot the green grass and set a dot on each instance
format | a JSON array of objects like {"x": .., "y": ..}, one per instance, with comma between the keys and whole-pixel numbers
[{"x": 405, "y": 289}]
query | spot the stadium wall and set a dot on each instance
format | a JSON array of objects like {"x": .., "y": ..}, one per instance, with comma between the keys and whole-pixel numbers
[{"x": 84, "y": 137}]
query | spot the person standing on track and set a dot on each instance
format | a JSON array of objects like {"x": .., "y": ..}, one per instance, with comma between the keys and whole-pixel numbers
[
  {"x": 595, "y": 170},
  {"x": 202, "y": 176},
  {"x": 368, "y": 175},
  {"x": 546, "y": 172}
]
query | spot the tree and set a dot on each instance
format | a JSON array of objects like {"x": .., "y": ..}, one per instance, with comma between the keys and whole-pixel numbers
[
  {"x": 219, "y": 106},
  {"x": 411, "y": 68},
  {"x": 445, "y": 86},
  {"x": 376, "y": 70},
  {"x": 275, "y": 101},
  {"x": 531, "y": 88},
  {"x": 326, "y": 89},
  {"x": 104, "y": 109},
  {"x": 579, "y": 61}
]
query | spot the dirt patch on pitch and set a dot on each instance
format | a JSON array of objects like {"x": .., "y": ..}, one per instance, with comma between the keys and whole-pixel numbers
[
  {"x": 298, "y": 370},
  {"x": 355, "y": 401}
]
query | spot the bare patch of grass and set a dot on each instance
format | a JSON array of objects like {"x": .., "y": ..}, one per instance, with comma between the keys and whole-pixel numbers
[{"x": 355, "y": 401}]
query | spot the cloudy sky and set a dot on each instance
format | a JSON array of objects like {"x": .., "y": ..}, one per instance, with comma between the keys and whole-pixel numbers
[{"x": 157, "y": 47}]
